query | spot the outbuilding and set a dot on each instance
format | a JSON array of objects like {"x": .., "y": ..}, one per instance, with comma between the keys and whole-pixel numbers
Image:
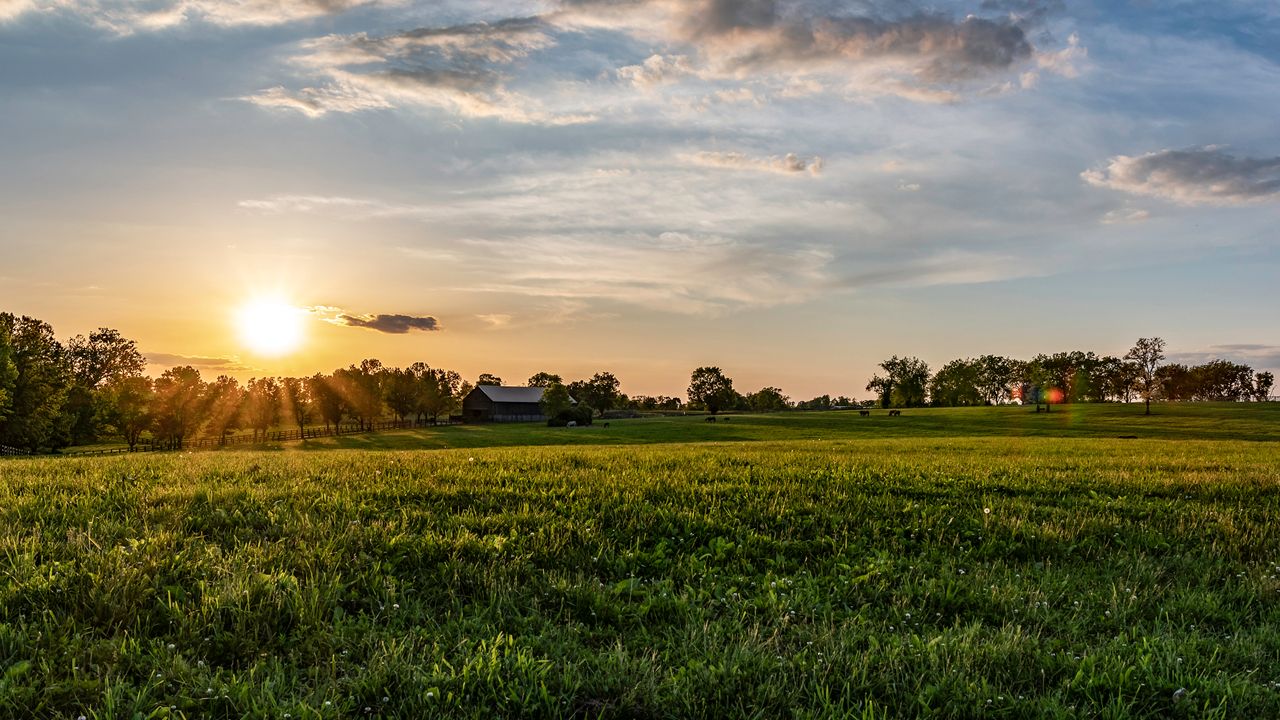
[{"x": 493, "y": 403}]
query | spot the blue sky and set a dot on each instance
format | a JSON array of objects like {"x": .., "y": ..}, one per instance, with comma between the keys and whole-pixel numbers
[{"x": 790, "y": 190}]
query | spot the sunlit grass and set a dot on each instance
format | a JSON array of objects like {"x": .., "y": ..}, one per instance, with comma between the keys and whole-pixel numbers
[{"x": 969, "y": 577}]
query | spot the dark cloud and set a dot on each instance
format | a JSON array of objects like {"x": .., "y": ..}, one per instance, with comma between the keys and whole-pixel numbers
[
  {"x": 762, "y": 34},
  {"x": 392, "y": 324},
  {"x": 1197, "y": 176}
]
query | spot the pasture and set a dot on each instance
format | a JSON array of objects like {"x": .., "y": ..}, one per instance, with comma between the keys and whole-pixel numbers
[{"x": 986, "y": 563}]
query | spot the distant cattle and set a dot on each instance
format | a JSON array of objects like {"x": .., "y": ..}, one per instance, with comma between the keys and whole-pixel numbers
[
  {"x": 572, "y": 423},
  {"x": 864, "y": 413},
  {"x": 895, "y": 413},
  {"x": 606, "y": 425},
  {"x": 710, "y": 418}
]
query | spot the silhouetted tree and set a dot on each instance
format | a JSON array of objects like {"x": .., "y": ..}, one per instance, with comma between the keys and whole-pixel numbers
[
  {"x": 555, "y": 401},
  {"x": 180, "y": 402},
  {"x": 904, "y": 384},
  {"x": 1262, "y": 384},
  {"x": 225, "y": 401},
  {"x": 599, "y": 393},
  {"x": 543, "y": 379},
  {"x": 127, "y": 406},
  {"x": 489, "y": 379},
  {"x": 709, "y": 387},
  {"x": 327, "y": 399},
  {"x": 1147, "y": 354},
  {"x": 768, "y": 399},
  {"x": 262, "y": 405},
  {"x": 295, "y": 400},
  {"x": 401, "y": 390}
]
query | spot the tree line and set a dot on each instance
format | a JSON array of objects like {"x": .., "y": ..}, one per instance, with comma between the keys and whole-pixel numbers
[
  {"x": 90, "y": 388},
  {"x": 1067, "y": 377}
]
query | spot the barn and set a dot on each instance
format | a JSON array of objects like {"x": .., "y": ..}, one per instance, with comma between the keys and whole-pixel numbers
[{"x": 491, "y": 403}]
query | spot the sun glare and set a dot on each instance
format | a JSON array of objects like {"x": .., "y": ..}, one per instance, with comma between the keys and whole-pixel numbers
[{"x": 269, "y": 326}]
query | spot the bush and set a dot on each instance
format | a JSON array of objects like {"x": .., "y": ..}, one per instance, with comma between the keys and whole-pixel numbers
[{"x": 580, "y": 414}]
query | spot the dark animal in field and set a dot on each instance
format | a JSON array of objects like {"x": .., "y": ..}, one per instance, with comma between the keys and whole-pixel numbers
[
  {"x": 606, "y": 426},
  {"x": 726, "y": 419},
  {"x": 864, "y": 413},
  {"x": 710, "y": 419},
  {"x": 895, "y": 413}
]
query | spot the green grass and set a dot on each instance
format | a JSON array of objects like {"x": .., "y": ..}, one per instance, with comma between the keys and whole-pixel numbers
[
  {"x": 831, "y": 566},
  {"x": 1200, "y": 421}
]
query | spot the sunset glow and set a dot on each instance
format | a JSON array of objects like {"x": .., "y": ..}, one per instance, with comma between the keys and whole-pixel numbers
[{"x": 270, "y": 327}]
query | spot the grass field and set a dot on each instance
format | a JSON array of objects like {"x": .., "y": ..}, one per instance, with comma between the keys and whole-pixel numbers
[{"x": 986, "y": 563}]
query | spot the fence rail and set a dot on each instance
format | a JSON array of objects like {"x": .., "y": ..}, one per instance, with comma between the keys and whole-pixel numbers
[
  {"x": 257, "y": 438},
  {"x": 5, "y": 450}
]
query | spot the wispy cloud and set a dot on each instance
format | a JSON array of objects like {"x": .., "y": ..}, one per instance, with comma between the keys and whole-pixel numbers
[
  {"x": 228, "y": 364},
  {"x": 125, "y": 17},
  {"x": 1197, "y": 176},
  {"x": 1124, "y": 216},
  {"x": 789, "y": 164},
  {"x": 456, "y": 68}
]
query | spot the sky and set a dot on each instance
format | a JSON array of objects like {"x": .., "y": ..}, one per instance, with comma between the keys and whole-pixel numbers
[{"x": 791, "y": 191}]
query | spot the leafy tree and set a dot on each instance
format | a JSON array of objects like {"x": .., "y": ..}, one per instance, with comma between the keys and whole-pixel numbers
[
  {"x": 768, "y": 399},
  {"x": 1147, "y": 354},
  {"x": 905, "y": 383},
  {"x": 8, "y": 372},
  {"x": 1174, "y": 381},
  {"x": 1120, "y": 378},
  {"x": 262, "y": 405},
  {"x": 38, "y": 379},
  {"x": 361, "y": 390},
  {"x": 1222, "y": 380},
  {"x": 555, "y": 400},
  {"x": 599, "y": 393},
  {"x": 441, "y": 391},
  {"x": 295, "y": 398},
  {"x": 327, "y": 399},
  {"x": 489, "y": 379},
  {"x": 1262, "y": 384},
  {"x": 709, "y": 387},
  {"x": 957, "y": 384},
  {"x": 95, "y": 360},
  {"x": 997, "y": 376},
  {"x": 822, "y": 402},
  {"x": 179, "y": 405},
  {"x": 127, "y": 406},
  {"x": 225, "y": 401},
  {"x": 400, "y": 390},
  {"x": 543, "y": 379}
]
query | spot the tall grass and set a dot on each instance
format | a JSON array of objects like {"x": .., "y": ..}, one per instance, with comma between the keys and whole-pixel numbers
[{"x": 930, "y": 576}]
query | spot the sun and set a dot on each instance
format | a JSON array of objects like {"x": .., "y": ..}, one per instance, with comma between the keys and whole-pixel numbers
[{"x": 270, "y": 326}]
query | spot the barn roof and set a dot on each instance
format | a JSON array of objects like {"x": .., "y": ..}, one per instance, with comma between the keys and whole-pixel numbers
[{"x": 511, "y": 394}]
